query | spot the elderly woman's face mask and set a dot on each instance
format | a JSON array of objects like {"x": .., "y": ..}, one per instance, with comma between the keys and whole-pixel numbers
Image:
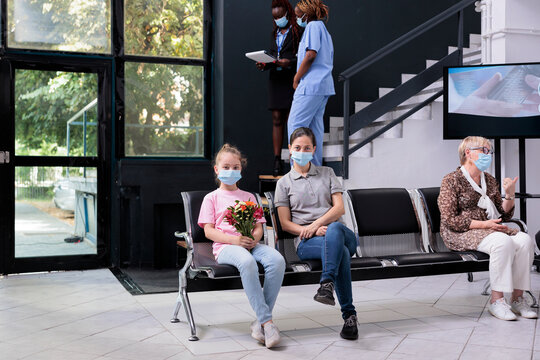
[{"x": 484, "y": 157}]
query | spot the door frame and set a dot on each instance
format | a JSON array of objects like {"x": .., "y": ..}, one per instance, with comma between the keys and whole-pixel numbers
[{"x": 101, "y": 66}]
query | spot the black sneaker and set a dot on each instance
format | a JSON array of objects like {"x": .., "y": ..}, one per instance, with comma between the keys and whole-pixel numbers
[
  {"x": 350, "y": 329},
  {"x": 325, "y": 294}
]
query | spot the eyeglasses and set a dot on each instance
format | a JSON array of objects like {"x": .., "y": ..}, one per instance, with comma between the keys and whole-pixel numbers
[{"x": 484, "y": 149}]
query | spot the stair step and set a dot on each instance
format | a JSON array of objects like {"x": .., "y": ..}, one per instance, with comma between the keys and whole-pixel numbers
[
  {"x": 466, "y": 51},
  {"x": 477, "y": 60},
  {"x": 422, "y": 114},
  {"x": 359, "y": 105},
  {"x": 475, "y": 40},
  {"x": 407, "y": 77},
  {"x": 335, "y": 151}
]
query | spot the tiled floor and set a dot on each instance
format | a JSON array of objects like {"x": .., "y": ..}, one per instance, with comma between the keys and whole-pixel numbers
[{"x": 89, "y": 315}]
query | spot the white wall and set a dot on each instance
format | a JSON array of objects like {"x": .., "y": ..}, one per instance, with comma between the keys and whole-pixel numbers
[{"x": 421, "y": 158}]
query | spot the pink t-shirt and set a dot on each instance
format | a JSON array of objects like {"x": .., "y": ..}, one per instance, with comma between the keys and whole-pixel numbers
[{"x": 213, "y": 210}]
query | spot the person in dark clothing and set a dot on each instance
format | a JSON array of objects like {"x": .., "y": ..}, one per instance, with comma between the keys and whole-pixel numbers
[{"x": 285, "y": 37}]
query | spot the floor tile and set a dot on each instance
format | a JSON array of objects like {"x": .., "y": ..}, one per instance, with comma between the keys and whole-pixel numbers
[
  {"x": 312, "y": 336},
  {"x": 513, "y": 334},
  {"x": 89, "y": 315},
  {"x": 95, "y": 345},
  {"x": 384, "y": 344},
  {"x": 336, "y": 353},
  {"x": 146, "y": 351},
  {"x": 436, "y": 349},
  {"x": 459, "y": 336},
  {"x": 475, "y": 352}
]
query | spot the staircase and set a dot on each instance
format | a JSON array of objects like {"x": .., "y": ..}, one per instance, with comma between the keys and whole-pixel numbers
[{"x": 333, "y": 140}]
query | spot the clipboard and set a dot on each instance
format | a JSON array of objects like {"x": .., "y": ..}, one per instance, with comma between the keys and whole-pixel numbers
[{"x": 261, "y": 56}]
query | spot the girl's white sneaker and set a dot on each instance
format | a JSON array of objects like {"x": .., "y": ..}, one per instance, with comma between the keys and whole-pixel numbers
[
  {"x": 257, "y": 331},
  {"x": 271, "y": 335}
]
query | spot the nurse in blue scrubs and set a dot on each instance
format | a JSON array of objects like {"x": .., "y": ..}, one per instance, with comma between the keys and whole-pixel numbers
[{"x": 313, "y": 82}]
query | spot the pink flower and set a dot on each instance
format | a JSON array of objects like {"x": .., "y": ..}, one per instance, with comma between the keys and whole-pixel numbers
[{"x": 258, "y": 214}]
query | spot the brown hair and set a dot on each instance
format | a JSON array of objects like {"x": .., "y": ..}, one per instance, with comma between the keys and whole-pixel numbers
[
  {"x": 314, "y": 9},
  {"x": 291, "y": 17},
  {"x": 469, "y": 142},
  {"x": 303, "y": 131}
]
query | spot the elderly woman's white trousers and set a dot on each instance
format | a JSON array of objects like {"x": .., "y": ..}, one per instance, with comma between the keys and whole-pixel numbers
[{"x": 510, "y": 260}]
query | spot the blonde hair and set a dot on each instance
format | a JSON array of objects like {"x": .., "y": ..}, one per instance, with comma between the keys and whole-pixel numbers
[
  {"x": 469, "y": 142},
  {"x": 314, "y": 9}
]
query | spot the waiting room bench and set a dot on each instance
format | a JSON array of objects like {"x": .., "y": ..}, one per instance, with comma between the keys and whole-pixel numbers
[{"x": 397, "y": 237}]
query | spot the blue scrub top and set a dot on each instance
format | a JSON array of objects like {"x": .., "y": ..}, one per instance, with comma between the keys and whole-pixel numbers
[{"x": 318, "y": 80}]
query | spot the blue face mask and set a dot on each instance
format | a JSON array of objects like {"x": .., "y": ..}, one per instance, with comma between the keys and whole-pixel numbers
[
  {"x": 282, "y": 22},
  {"x": 300, "y": 22},
  {"x": 229, "y": 177},
  {"x": 483, "y": 162},
  {"x": 301, "y": 158}
]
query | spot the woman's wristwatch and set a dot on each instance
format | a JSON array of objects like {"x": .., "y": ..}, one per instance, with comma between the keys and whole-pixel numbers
[{"x": 506, "y": 197}]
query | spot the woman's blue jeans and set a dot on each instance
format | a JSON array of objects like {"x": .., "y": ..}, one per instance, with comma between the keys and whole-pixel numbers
[
  {"x": 334, "y": 250},
  {"x": 262, "y": 300}
]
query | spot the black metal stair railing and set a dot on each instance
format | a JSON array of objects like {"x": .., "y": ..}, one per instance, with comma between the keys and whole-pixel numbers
[{"x": 366, "y": 116}]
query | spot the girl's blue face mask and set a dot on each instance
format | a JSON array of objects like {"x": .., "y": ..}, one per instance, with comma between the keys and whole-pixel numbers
[
  {"x": 282, "y": 22},
  {"x": 229, "y": 177},
  {"x": 483, "y": 162},
  {"x": 301, "y": 158}
]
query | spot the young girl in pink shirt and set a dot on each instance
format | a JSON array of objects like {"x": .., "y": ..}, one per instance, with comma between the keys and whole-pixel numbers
[{"x": 242, "y": 252}]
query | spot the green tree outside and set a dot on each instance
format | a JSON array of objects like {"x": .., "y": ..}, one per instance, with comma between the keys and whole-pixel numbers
[{"x": 164, "y": 103}]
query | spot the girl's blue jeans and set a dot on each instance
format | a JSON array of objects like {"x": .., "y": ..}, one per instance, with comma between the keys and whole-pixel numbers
[{"x": 262, "y": 300}]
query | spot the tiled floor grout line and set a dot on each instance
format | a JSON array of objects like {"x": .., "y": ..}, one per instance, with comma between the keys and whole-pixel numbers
[
  {"x": 395, "y": 347},
  {"x": 323, "y": 350},
  {"x": 466, "y": 343},
  {"x": 154, "y": 311}
]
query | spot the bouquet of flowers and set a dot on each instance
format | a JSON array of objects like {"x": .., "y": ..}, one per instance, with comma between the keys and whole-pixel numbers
[{"x": 243, "y": 216}]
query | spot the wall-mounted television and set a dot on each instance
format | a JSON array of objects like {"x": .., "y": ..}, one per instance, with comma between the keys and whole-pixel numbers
[{"x": 494, "y": 101}]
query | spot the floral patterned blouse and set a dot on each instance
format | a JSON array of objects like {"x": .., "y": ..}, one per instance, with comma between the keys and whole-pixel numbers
[{"x": 458, "y": 206}]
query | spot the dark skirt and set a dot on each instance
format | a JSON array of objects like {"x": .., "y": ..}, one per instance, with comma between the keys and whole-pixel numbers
[{"x": 280, "y": 89}]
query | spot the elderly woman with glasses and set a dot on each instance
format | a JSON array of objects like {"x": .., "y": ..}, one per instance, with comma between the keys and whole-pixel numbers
[{"x": 472, "y": 216}]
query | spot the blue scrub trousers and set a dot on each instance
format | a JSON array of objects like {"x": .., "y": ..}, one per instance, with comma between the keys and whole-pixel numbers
[{"x": 307, "y": 111}]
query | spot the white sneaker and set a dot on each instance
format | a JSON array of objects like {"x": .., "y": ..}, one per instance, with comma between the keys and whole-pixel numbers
[
  {"x": 521, "y": 307},
  {"x": 257, "y": 331},
  {"x": 501, "y": 310},
  {"x": 271, "y": 335}
]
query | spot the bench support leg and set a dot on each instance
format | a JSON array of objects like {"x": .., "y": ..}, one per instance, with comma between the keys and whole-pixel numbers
[
  {"x": 183, "y": 299},
  {"x": 487, "y": 285},
  {"x": 470, "y": 277}
]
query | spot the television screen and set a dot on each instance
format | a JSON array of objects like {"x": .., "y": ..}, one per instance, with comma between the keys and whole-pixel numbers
[{"x": 494, "y": 101}]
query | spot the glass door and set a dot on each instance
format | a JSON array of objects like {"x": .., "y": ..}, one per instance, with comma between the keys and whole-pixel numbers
[{"x": 56, "y": 178}]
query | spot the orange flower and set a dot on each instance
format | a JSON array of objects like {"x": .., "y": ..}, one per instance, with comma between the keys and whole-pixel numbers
[
  {"x": 243, "y": 207},
  {"x": 250, "y": 203}
]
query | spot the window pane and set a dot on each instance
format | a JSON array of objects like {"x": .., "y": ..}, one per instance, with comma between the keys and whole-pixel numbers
[
  {"x": 164, "y": 28},
  {"x": 59, "y": 106},
  {"x": 164, "y": 110},
  {"x": 66, "y": 25},
  {"x": 55, "y": 211}
]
